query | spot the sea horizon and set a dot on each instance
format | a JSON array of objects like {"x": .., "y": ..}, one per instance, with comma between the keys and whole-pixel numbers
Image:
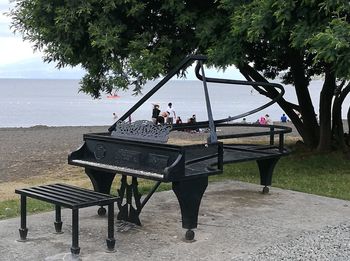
[{"x": 58, "y": 102}]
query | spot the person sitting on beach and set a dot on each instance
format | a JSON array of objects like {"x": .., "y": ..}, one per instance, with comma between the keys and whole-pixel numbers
[
  {"x": 194, "y": 118},
  {"x": 267, "y": 118},
  {"x": 178, "y": 120},
  {"x": 283, "y": 118},
  {"x": 161, "y": 119},
  {"x": 262, "y": 120},
  {"x": 192, "y": 121}
]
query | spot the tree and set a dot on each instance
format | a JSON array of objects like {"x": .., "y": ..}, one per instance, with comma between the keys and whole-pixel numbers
[
  {"x": 118, "y": 43},
  {"x": 301, "y": 39},
  {"x": 127, "y": 42}
]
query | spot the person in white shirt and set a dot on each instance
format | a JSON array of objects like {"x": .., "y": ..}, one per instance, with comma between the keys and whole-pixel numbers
[{"x": 171, "y": 114}]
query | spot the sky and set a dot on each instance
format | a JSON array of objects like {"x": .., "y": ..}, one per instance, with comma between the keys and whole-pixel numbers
[
  {"x": 18, "y": 60},
  {"x": 13, "y": 49}
]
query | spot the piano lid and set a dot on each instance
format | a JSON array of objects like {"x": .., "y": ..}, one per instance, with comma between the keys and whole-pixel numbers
[
  {"x": 187, "y": 61},
  {"x": 278, "y": 91}
]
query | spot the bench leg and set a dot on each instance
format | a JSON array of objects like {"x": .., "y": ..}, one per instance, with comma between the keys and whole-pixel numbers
[
  {"x": 110, "y": 239},
  {"x": 23, "y": 231},
  {"x": 58, "y": 220},
  {"x": 75, "y": 249}
]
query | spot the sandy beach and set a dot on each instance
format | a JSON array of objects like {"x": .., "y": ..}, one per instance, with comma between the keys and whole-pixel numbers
[{"x": 39, "y": 150}]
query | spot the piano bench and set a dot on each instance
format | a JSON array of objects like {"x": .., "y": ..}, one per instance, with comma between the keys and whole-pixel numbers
[{"x": 72, "y": 197}]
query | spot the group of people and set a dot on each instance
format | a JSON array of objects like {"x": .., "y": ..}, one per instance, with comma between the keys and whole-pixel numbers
[
  {"x": 265, "y": 120},
  {"x": 167, "y": 116}
]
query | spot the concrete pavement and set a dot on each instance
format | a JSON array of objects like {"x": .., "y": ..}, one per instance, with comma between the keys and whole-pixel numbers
[{"x": 235, "y": 222}]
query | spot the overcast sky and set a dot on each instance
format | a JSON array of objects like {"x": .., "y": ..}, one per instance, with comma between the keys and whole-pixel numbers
[
  {"x": 12, "y": 48},
  {"x": 18, "y": 60}
]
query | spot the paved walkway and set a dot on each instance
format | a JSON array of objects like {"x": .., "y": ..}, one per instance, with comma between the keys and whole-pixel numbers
[{"x": 236, "y": 222}]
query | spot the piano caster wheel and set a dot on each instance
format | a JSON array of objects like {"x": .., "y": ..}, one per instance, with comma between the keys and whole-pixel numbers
[
  {"x": 265, "y": 190},
  {"x": 189, "y": 235},
  {"x": 101, "y": 211}
]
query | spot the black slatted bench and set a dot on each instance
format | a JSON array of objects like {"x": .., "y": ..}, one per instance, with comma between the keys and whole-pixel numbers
[{"x": 72, "y": 197}]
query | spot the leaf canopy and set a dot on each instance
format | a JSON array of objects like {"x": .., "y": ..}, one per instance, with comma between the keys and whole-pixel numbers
[{"x": 126, "y": 42}]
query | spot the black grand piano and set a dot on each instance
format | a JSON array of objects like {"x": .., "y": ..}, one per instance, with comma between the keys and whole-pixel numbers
[{"x": 140, "y": 150}]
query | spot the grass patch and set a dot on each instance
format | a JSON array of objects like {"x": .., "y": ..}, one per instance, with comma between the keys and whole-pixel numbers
[
  {"x": 11, "y": 208},
  {"x": 320, "y": 174}
]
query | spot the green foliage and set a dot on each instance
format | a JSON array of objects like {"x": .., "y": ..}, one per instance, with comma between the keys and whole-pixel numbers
[
  {"x": 119, "y": 43},
  {"x": 267, "y": 32},
  {"x": 126, "y": 42},
  {"x": 332, "y": 45}
]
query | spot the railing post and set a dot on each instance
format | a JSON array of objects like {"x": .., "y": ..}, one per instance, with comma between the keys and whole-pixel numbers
[
  {"x": 281, "y": 142},
  {"x": 272, "y": 135}
]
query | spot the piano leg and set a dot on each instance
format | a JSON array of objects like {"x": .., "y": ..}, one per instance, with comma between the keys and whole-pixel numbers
[
  {"x": 189, "y": 194},
  {"x": 102, "y": 182},
  {"x": 266, "y": 168}
]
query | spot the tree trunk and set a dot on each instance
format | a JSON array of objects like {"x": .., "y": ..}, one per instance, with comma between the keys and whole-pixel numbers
[
  {"x": 310, "y": 129},
  {"x": 326, "y": 98},
  {"x": 337, "y": 126},
  {"x": 347, "y": 139},
  {"x": 348, "y": 120},
  {"x": 289, "y": 108}
]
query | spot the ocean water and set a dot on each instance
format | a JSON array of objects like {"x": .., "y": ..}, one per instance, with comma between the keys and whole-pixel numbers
[{"x": 30, "y": 102}]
